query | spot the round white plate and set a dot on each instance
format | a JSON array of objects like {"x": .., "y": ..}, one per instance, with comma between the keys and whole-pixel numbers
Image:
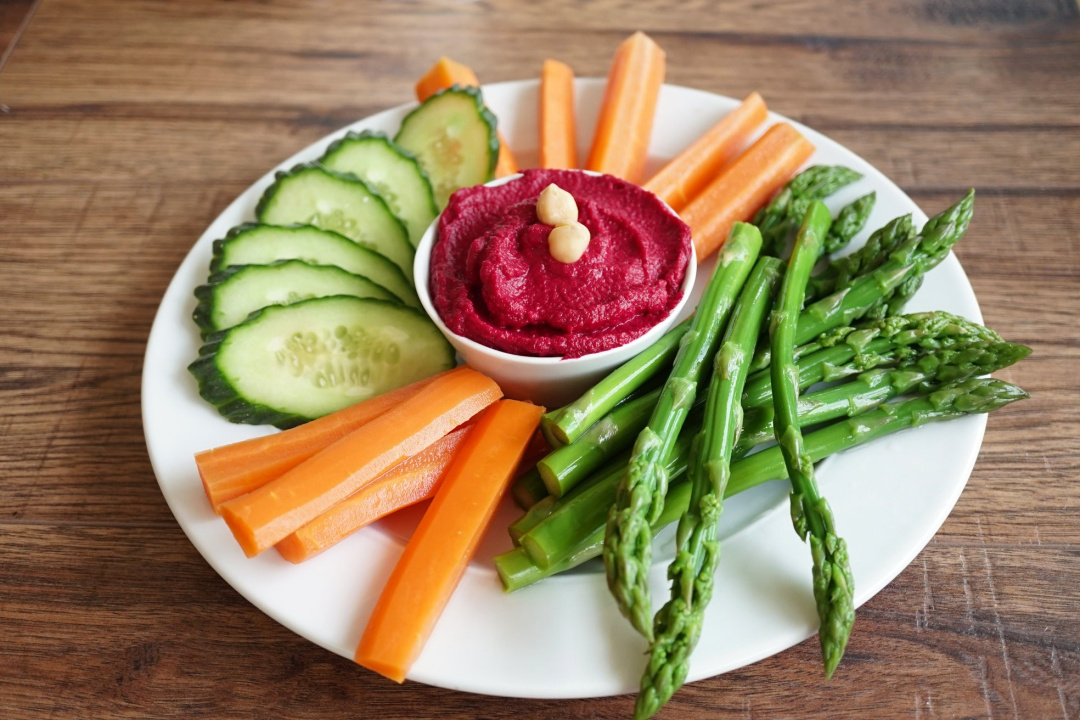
[{"x": 564, "y": 637}]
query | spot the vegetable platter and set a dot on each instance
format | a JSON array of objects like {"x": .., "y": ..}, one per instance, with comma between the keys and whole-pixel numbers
[{"x": 564, "y": 637}]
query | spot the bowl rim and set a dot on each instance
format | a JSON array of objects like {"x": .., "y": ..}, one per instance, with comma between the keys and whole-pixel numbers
[{"x": 422, "y": 274}]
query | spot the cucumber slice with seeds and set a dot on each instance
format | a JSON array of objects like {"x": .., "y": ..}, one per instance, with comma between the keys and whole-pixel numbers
[
  {"x": 288, "y": 364},
  {"x": 392, "y": 172},
  {"x": 254, "y": 244},
  {"x": 453, "y": 136},
  {"x": 231, "y": 296},
  {"x": 312, "y": 195}
]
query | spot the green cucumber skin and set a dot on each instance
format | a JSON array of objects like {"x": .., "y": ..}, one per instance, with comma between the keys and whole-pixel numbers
[
  {"x": 401, "y": 286},
  {"x": 216, "y": 388},
  {"x": 483, "y": 114},
  {"x": 281, "y": 177},
  {"x": 205, "y": 311},
  {"x": 342, "y": 145}
]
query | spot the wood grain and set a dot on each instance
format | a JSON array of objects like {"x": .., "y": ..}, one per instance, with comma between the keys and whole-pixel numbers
[{"x": 131, "y": 124}]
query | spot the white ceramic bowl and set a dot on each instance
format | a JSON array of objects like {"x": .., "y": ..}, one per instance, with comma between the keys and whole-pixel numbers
[{"x": 548, "y": 381}]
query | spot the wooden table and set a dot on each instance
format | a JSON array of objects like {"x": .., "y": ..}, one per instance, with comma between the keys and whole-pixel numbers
[{"x": 126, "y": 127}]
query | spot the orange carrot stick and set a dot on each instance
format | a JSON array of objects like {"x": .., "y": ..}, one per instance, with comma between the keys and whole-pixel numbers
[
  {"x": 692, "y": 169},
  {"x": 558, "y": 141},
  {"x": 621, "y": 142},
  {"x": 446, "y": 72},
  {"x": 439, "y": 551},
  {"x": 744, "y": 186},
  {"x": 266, "y": 515},
  {"x": 233, "y": 470},
  {"x": 416, "y": 478}
]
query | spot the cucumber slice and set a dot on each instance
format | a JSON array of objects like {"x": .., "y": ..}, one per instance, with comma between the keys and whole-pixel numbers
[
  {"x": 312, "y": 195},
  {"x": 232, "y": 295},
  {"x": 390, "y": 171},
  {"x": 453, "y": 136},
  {"x": 288, "y": 364},
  {"x": 253, "y": 244}
]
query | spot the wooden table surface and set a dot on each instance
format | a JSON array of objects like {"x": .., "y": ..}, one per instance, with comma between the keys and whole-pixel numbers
[{"x": 127, "y": 126}]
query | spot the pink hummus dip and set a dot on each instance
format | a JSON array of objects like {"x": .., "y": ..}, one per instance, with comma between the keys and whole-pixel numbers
[{"x": 494, "y": 281}]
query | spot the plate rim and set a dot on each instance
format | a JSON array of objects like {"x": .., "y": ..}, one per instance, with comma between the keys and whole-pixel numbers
[{"x": 421, "y": 674}]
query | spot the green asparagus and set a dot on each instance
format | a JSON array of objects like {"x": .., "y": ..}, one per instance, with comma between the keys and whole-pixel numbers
[
  {"x": 628, "y": 543},
  {"x": 872, "y": 290},
  {"x": 923, "y": 375},
  {"x": 565, "y": 467},
  {"x": 834, "y": 585},
  {"x": 677, "y": 625},
  {"x": 786, "y": 209},
  {"x": 839, "y": 273},
  {"x": 849, "y": 350},
  {"x": 849, "y": 222},
  {"x": 975, "y": 395},
  {"x": 599, "y": 400},
  {"x": 528, "y": 489}
]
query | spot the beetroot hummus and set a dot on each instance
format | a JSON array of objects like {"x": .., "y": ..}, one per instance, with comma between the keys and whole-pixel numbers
[{"x": 493, "y": 279}]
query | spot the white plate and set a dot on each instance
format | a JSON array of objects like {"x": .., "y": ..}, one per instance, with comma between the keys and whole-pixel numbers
[{"x": 563, "y": 637}]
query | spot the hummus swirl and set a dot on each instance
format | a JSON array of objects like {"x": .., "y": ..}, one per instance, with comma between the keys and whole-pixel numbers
[{"x": 494, "y": 281}]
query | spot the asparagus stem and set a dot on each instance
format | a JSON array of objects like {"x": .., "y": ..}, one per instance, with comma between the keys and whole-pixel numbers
[
  {"x": 677, "y": 625},
  {"x": 955, "y": 400},
  {"x": 834, "y": 585},
  {"x": 565, "y": 467},
  {"x": 528, "y": 489},
  {"x": 517, "y": 570},
  {"x": 628, "y": 543},
  {"x": 599, "y": 400},
  {"x": 532, "y": 517}
]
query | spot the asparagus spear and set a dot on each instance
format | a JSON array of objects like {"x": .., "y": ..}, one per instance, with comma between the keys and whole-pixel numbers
[
  {"x": 786, "y": 209},
  {"x": 975, "y": 395},
  {"x": 517, "y": 570},
  {"x": 839, "y": 273},
  {"x": 850, "y": 350},
  {"x": 573, "y": 518},
  {"x": 528, "y": 489},
  {"x": 840, "y": 353},
  {"x": 598, "y": 401},
  {"x": 628, "y": 543},
  {"x": 851, "y": 219},
  {"x": 565, "y": 467},
  {"x": 923, "y": 375},
  {"x": 677, "y": 625},
  {"x": 834, "y": 585},
  {"x": 914, "y": 257}
]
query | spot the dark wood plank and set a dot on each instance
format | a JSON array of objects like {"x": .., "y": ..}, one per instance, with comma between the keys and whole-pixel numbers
[
  {"x": 223, "y": 55},
  {"x": 12, "y": 15}
]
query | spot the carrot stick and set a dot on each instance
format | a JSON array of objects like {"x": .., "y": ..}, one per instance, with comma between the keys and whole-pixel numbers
[
  {"x": 416, "y": 478},
  {"x": 692, "y": 169},
  {"x": 233, "y": 470},
  {"x": 438, "y": 553},
  {"x": 446, "y": 72},
  {"x": 621, "y": 142},
  {"x": 744, "y": 186},
  {"x": 558, "y": 143},
  {"x": 266, "y": 515}
]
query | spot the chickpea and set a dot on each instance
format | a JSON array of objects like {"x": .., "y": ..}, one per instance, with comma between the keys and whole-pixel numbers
[
  {"x": 555, "y": 206},
  {"x": 568, "y": 242}
]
